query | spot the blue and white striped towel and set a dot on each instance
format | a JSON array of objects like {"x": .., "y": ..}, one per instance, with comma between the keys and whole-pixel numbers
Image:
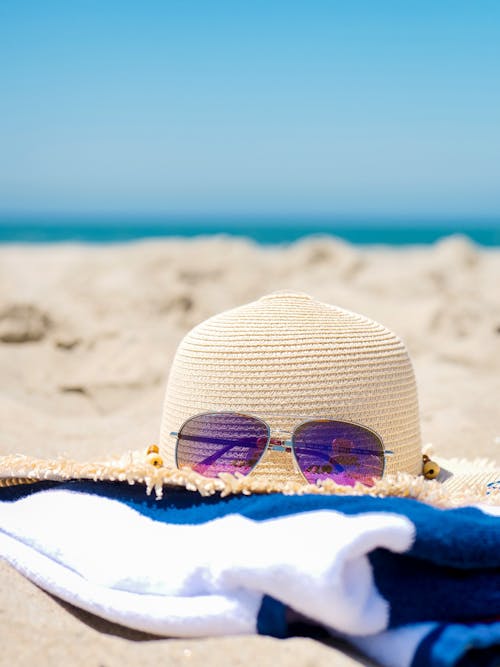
[{"x": 408, "y": 584}]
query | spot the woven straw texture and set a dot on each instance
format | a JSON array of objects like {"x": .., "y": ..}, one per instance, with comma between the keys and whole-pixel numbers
[
  {"x": 286, "y": 358},
  {"x": 470, "y": 482}
]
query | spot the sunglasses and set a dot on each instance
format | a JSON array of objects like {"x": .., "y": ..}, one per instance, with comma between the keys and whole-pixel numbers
[{"x": 345, "y": 452}]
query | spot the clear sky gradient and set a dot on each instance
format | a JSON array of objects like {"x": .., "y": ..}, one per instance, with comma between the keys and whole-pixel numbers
[{"x": 354, "y": 108}]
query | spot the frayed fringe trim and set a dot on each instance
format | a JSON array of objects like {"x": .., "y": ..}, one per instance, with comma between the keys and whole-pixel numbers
[{"x": 131, "y": 468}]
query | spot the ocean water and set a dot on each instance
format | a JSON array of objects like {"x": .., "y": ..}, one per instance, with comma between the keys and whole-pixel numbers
[{"x": 266, "y": 231}]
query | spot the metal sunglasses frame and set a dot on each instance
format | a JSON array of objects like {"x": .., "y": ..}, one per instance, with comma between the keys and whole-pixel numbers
[{"x": 285, "y": 445}]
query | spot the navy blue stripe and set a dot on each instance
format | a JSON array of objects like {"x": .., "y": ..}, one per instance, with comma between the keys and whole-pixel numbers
[
  {"x": 481, "y": 657},
  {"x": 271, "y": 619},
  {"x": 18, "y": 491},
  {"x": 452, "y": 645},
  {"x": 423, "y": 657},
  {"x": 420, "y": 590}
]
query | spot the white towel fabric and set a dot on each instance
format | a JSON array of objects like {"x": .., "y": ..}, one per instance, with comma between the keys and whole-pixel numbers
[{"x": 201, "y": 580}]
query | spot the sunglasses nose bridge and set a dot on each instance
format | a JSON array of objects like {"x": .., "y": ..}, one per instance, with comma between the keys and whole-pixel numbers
[{"x": 278, "y": 440}]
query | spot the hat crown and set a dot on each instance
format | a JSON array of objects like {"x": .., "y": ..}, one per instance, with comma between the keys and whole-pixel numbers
[{"x": 288, "y": 357}]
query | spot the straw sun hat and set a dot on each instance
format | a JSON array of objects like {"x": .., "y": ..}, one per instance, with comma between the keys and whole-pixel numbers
[{"x": 288, "y": 358}]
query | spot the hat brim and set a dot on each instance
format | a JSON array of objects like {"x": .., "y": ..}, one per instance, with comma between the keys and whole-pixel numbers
[{"x": 461, "y": 482}]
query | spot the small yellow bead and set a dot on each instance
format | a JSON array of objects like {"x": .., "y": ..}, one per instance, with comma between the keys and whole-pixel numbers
[
  {"x": 155, "y": 460},
  {"x": 152, "y": 449},
  {"x": 431, "y": 469}
]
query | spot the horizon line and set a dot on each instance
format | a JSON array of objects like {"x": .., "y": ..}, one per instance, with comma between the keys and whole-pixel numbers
[{"x": 165, "y": 218}]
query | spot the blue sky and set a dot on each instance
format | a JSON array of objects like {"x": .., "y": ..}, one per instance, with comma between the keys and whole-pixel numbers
[{"x": 190, "y": 107}]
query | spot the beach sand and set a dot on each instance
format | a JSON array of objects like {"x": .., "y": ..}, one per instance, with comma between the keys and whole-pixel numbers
[{"x": 87, "y": 334}]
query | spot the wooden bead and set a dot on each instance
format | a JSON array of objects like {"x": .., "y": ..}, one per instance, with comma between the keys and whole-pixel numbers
[
  {"x": 431, "y": 469},
  {"x": 152, "y": 449},
  {"x": 155, "y": 460}
]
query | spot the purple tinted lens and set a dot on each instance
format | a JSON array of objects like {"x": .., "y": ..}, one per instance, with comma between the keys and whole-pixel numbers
[
  {"x": 221, "y": 442},
  {"x": 345, "y": 453}
]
